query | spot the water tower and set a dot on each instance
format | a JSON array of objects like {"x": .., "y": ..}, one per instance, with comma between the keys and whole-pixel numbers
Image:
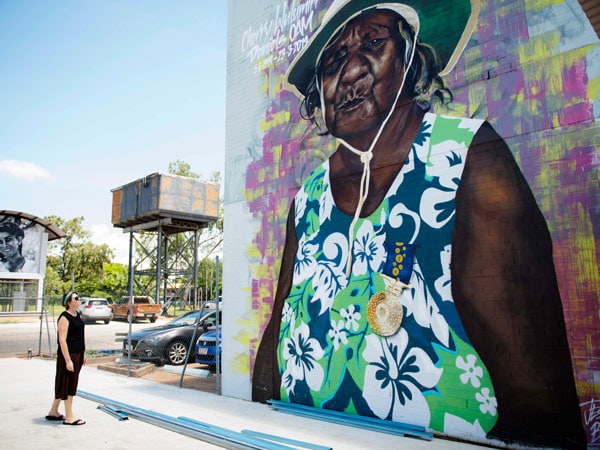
[{"x": 163, "y": 215}]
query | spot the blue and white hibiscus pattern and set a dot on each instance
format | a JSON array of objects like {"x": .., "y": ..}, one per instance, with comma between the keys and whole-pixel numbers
[
  {"x": 396, "y": 376},
  {"x": 302, "y": 354},
  {"x": 329, "y": 356}
]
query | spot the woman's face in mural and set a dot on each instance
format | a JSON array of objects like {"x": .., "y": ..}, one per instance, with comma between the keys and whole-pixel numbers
[
  {"x": 362, "y": 71},
  {"x": 9, "y": 245}
]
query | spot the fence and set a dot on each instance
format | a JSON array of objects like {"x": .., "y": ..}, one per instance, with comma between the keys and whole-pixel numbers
[{"x": 19, "y": 296}]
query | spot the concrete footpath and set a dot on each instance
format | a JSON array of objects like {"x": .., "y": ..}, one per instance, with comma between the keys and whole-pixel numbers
[{"x": 27, "y": 391}]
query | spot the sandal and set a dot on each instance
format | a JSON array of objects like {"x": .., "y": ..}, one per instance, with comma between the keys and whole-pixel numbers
[
  {"x": 55, "y": 418},
  {"x": 76, "y": 422}
]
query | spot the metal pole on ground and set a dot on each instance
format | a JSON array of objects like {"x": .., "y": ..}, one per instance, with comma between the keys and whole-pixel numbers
[
  {"x": 130, "y": 293},
  {"x": 218, "y": 330},
  {"x": 41, "y": 328},
  {"x": 159, "y": 268},
  {"x": 48, "y": 333},
  {"x": 192, "y": 347}
]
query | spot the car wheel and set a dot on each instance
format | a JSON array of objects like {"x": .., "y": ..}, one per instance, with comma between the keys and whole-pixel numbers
[
  {"x": 177, "y": 353},
  {"x": 107, "y": 321},
  {"x": 152, "y": 319}
]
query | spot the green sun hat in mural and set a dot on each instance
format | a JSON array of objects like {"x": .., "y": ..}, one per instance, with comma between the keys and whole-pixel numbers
[{"x": 445, "y": 26}]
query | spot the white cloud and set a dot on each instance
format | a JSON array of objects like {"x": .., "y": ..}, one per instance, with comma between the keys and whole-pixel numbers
[
  {"x": 115, "y": 239},
  {"x": 23, "y": 169}
]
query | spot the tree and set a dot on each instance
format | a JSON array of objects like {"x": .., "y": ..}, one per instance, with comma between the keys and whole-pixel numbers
[
  {"x": 53, "y": 286},
  {"x": 182, "y": 168},
  {"x": 75, "y": 257},
  {"x": 114, "y": 281},
  {"x": 207, "y": 278}
]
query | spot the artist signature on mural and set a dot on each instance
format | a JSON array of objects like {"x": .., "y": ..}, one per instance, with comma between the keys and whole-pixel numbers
[
  {"x": 280, "y": 38},
  {"x": 591, "y": 416}
]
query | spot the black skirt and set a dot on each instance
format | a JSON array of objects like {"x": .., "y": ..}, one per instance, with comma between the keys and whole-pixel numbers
[{"x": 65, "y": 383}]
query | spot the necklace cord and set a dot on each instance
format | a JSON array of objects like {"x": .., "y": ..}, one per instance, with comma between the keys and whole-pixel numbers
[{"x": 367, "y": 156}]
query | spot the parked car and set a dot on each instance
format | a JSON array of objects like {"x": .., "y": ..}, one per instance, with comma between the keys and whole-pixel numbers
[
  {"x": 93, "y": 309},
  {"x": 212, "y": 304},
  {"x": 170, "y": 343},
  {"x": 206, "y": 349},
  {"x": 144, "y": 307}
]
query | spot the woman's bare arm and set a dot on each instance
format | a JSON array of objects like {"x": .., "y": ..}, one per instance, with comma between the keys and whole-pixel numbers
[{"x": 63, "y": 329}]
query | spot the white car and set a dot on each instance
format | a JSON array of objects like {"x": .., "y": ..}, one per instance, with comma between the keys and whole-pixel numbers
[
  {"x": 93, "y": 309},
  {"x": 213, "y": 305}
]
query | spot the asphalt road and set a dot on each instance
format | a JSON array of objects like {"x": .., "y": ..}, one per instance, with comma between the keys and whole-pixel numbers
[{"x": 19, "y": 335}]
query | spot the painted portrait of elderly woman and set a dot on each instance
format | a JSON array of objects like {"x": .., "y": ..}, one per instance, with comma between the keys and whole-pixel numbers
[{"x": 417, "y": 264}]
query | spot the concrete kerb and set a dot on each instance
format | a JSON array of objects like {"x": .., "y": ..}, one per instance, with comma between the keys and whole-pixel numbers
[{"x": 136, "y": 370}]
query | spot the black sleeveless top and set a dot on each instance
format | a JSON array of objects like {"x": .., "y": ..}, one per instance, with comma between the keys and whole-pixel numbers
[{"x": 75, "y": 333}]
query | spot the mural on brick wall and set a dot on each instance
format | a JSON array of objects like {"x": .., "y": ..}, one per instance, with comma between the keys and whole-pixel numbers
[{"x": 423, "y": 177}]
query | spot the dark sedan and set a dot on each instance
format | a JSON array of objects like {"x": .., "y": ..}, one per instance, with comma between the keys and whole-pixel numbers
[{"x": 170, "y": 343}]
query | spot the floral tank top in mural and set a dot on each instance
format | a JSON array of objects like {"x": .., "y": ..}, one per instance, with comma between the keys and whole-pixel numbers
[{"x": 330, "y": 355}]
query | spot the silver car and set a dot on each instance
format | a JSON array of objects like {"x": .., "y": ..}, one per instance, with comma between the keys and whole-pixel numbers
[{"x": 93, "y": 309}]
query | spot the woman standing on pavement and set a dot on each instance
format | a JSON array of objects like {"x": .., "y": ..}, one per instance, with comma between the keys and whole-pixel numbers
[{"x": 69, "y": 360}]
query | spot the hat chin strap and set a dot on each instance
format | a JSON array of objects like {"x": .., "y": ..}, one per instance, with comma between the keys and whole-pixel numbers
[{"x": 365, "y": 158}]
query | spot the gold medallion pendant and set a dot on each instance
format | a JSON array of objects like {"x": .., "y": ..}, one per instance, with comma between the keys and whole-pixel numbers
[{"x": 384, "y": 310}]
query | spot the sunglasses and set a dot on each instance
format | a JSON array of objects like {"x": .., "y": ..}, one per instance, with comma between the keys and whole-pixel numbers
[{"x": 77, "y": 297}]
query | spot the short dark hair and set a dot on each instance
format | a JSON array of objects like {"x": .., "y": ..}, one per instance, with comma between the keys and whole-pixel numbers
[
  {"x": 12, "y": 229},
  {"x": 67, "y": 298},
  {"x": 422, "y": 78}
]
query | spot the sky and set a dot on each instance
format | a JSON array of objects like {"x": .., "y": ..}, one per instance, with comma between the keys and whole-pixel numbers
[{"x": 95, "y": 94}]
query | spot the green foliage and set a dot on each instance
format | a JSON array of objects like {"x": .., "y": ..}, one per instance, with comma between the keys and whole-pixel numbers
[
  {"x": 115, "y": 279},
  {"x": 74, "y": 257},
  {"x": 182, "y": 168},
  {"x": 52, "y": 283},
  {"x": 206, "y": 279},
  {"x": 215, "y": 178},
  {"x": 113, "y": 284}
]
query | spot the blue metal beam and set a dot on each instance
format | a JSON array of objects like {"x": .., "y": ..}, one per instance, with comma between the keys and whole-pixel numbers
[
  {"x": 351, "y": 420},
  {"x": 270, "y": 437},
  {"x": 199, "y": 430}
]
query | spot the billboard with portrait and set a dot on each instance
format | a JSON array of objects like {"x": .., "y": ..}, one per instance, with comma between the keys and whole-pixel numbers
[{"x": 22, "y": 246}]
